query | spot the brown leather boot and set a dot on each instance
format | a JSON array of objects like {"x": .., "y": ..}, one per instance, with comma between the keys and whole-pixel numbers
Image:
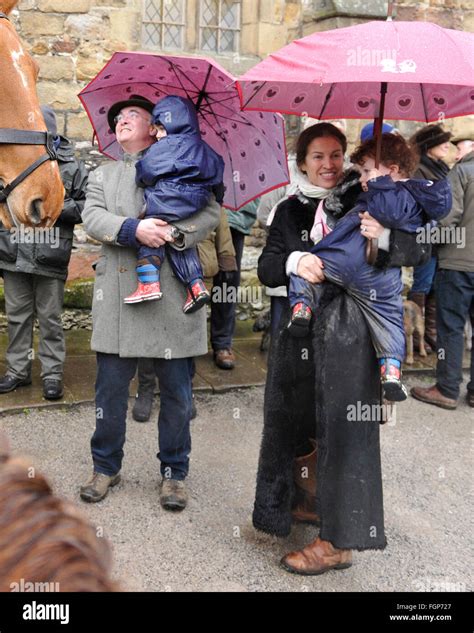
[
  {"x": 304, "y": 473},
  {"x": 432, "y": 395},
  {"x": 430, "y": 321},
  {"x": 420, "y": 299},
  {"x": 317, "y": 558}
]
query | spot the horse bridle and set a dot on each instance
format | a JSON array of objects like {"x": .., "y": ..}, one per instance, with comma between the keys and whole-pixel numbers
[{"x": 12, "y": 136}]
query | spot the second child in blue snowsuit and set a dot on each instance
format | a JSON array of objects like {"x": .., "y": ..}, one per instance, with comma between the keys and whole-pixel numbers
[
  {"x": 179, "y": 173},
  {"x": 397, "y": 203}
]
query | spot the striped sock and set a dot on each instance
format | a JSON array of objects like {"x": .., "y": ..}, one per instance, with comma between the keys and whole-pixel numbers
[
  {"x": 390, "y": 361},
  {"x": 148, "y": 274},
  {"x": 390, "y": 367}
]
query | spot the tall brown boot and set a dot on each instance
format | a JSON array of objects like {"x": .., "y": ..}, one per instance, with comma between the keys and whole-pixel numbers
[
  {"x": 420, "y": 299},
  {"x": 317, "y": 558},
  {"x": 430, "y": 321},
  {"x": 304, "y": 473}
]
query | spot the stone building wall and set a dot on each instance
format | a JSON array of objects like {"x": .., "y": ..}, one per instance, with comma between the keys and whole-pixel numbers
[{"x": 72, "y": 40}]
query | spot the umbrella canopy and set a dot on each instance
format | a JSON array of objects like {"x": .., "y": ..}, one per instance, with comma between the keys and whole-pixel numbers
[
  {"x": 252, "y": 144},
  {"x": 429, "y": 73}
]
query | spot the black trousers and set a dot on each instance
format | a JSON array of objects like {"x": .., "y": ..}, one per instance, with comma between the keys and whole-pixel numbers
[{"x": 223, "y": 312}]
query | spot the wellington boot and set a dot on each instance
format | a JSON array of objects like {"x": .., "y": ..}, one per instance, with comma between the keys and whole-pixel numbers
[{"x": 304, "y": 474}]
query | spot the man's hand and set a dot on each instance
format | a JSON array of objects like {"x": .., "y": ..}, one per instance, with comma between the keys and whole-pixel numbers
[
  {"x": 153, "y": 232},
  {"x": 310, "y": 267},
  {"x": 369, "y": 226}
]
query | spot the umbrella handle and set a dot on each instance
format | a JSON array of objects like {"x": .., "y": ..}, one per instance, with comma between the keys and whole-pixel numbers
[{"x": 372, "y": 250}]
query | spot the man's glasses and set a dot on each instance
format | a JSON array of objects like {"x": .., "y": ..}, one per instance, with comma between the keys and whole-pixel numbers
[{"x": 131, "y": 116}]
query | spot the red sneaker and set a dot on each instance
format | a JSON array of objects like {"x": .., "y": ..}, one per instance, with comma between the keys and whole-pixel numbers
[
  {"x": 391, "y": 377},
  {"x": 145, "y": 292},
  {"x": 301, "y": 315},
  {"x": 196, "y": 297}
]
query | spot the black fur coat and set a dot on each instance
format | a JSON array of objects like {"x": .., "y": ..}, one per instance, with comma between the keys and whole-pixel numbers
[{"x": 311, "y": 382}]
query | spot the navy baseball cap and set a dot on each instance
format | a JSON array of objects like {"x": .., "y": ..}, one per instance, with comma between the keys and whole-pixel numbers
[{"x": 367, "y": 131}]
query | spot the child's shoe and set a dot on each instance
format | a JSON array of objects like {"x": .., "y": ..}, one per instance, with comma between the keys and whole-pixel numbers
[
  {"x": 145, "y": 292},
  {"x": 301, "y": 315},
  {"x": 391, "y": 377},
  {"x": 196, "y": 297}
]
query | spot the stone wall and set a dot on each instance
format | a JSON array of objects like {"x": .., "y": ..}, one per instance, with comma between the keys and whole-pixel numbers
[{"x": 72, "y": 40}]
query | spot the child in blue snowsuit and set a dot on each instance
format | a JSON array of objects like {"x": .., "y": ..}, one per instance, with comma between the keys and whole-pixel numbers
[
  {"x": 397, "y": 203},
  {"x": 179, "y": 173}
]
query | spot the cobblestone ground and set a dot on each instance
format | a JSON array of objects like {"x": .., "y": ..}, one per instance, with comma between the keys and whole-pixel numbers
[{"x": 212, "y": 545}]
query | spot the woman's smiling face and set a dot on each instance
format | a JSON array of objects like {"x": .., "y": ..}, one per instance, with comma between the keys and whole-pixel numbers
[{"x": 324, "y": 162}]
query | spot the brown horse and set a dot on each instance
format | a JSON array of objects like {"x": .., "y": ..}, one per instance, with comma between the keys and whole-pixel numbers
[
  {"x": 45, "y": 541},
  {"x": 37, "y": 199}
]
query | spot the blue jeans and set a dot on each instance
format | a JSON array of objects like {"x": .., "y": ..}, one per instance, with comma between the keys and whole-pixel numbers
[
  {"x": 454, "y": 302},
  {"x": 423, "y": 277},
  {"x": 112, "y": 389}
]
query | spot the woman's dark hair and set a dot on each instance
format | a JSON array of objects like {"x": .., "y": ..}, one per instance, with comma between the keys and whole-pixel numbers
[
  {"x": 318, "y": 130},
  {"x": 395, "y": 151}
]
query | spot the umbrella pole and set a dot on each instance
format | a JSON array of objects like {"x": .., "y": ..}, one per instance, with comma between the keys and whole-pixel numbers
[
  {"x": 378, "y": 123},
  {"x": 372, "y": 244}
]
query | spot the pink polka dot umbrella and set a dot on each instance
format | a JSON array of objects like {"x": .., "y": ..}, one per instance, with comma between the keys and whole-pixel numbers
[
  {"x": 398, "y": 70},
  {"x": 252, "y": 144}
]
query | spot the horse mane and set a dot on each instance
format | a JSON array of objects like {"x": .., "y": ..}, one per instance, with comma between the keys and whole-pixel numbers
[{"x": 45, "y": 539}]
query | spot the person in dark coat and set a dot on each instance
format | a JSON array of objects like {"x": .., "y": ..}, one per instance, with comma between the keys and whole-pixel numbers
[
  {"x": 223, "y": 313},
  {"x": 432, "y": 143},
  {"x": 454, "y": 284},
  {"x": 319, "y": 459},
  {"x": 178, "y": 173},
  {"x": 397, "y": 203},
  {"x": 34, "y": 266}
]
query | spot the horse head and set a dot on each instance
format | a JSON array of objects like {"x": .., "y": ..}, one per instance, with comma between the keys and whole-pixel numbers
[{"x": 38, "y": 199}]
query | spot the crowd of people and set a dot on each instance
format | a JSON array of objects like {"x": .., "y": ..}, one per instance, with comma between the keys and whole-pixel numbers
[{"x": 166, "y": 241}]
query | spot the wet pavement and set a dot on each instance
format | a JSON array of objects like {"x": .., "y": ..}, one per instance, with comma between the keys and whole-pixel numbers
[
  {"x": 212, "y": 545},
  {"x": 80, "y": 368}
]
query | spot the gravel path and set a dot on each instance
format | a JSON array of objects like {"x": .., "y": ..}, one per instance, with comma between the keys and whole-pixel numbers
[{"x": 427, "y": 460}]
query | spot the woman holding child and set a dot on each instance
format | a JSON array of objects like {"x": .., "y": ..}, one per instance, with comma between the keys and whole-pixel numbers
[{"x": 318, "y": 463}]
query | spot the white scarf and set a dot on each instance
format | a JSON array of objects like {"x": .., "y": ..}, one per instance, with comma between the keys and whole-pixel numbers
[{"x": 300, "y": 184}]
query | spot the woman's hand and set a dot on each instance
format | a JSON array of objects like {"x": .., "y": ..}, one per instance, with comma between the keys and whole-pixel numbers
[
  {"x": 153, "y": 232},
  {"x": 369, "y": 226},
  {"x": 310, "y": 267}
]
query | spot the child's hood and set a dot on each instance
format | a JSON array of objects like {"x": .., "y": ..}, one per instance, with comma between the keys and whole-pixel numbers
[
  {"x": 177, "y": 115},
  {"x": 433, "y": 196}
]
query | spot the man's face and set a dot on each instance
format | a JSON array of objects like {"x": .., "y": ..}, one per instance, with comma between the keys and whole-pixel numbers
[
  {"x": 463, "y": 148},
  {"x": 133, "y": 125}
]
